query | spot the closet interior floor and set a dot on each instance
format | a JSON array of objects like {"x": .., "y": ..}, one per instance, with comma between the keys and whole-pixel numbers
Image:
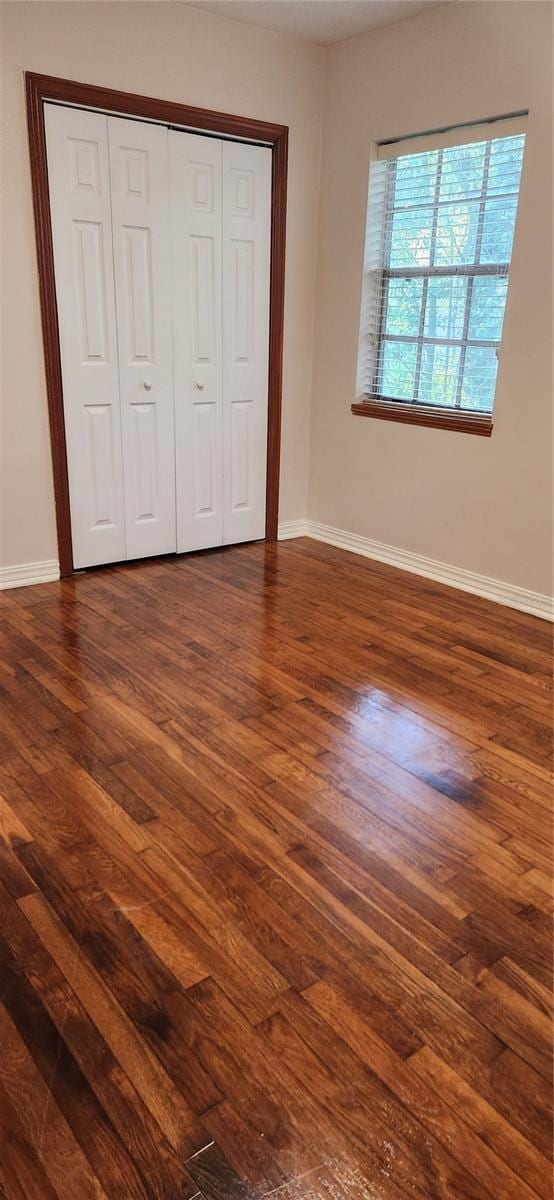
[{"x": 274, "y": 884}]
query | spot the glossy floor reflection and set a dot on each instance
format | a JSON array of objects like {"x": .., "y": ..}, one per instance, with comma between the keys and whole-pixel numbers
[{"x": 274, "y": 885}]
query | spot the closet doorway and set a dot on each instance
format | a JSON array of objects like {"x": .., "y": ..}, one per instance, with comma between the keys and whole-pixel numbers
[{"x": 161, "y": 268}]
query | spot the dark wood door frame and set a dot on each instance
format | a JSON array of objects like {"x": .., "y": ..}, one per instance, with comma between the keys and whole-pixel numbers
[{"x": 40, "y": 88}]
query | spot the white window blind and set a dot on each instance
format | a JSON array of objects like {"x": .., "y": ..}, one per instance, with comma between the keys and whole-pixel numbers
[{"x": 441, "y": 218}]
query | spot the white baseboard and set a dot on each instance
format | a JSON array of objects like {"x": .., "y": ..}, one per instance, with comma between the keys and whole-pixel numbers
[
  {"x": 511, "y": 595},
  {"x": 26, "y": 573},
  {"x": 535, "y": 603},
  {"x": 292, "y": 529}
]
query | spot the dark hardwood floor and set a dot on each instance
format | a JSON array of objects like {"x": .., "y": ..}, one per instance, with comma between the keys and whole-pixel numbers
[{"x": 275, "y": 885}]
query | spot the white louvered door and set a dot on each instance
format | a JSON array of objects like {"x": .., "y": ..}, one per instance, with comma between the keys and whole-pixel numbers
[
  {"x": 139, "y": 173},
  {"x": 161, "y": 249},
  {"x": 78, "y": 171}
]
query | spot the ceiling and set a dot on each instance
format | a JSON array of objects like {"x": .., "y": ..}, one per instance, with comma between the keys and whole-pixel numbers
[{"x": 321, "y": 21}]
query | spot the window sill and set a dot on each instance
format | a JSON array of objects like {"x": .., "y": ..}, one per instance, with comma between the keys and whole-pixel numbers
[{"x": 460, "y": 422}]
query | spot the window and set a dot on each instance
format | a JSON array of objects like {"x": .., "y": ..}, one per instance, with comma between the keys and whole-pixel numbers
[{"x": 441, "y": 220}]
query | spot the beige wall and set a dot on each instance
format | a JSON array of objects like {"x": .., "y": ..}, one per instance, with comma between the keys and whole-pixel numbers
[
  {"x": 479, "y": 504},
  {"x": 178, "y": 53},
  {"x": 476, "y": 503}
]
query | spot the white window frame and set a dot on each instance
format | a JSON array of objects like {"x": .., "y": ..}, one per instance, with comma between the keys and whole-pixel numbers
[{"x": 376, "y": 275}]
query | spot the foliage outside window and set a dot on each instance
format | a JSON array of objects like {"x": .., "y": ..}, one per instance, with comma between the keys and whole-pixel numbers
[{"x": 439, "y": 242}]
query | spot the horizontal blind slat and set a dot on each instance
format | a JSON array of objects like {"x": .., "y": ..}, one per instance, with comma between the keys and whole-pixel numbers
[{"x": 438, "y": 247}]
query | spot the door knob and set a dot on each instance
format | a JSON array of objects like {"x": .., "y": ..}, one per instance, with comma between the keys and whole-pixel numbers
[
  {"x": 147, "y": 385},
  {"x": 199, "y": 386}
]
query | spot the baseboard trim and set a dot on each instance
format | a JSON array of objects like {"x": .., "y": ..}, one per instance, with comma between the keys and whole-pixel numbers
[
  {"x": 292, "y": 529},
  {"x": 25, "y": 574},
  {"x": 512, "y": 596},
  {"x": 535, "y": 603}
]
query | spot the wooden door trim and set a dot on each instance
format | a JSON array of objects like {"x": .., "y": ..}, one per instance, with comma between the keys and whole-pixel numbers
[{"x": 41, "y": 88}]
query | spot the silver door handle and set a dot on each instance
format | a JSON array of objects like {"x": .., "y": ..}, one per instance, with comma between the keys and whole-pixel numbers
[
  {"x": 147, "y": 385},
  {"x": 199, "y": 386}
]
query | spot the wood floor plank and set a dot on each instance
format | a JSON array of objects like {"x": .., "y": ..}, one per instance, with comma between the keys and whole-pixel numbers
[
  {"x": 135, "y": 1057},
  {"x": 21, "y": 1174},
  {"x": 275, "y": 885},
  {"x": 46, "y": 1127}
]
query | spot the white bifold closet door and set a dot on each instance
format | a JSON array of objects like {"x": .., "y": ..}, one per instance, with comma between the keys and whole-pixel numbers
[
  {"x": 109, "y": 196},
  {"x": 221, "y": 210},
  {"x": 79, "y": 182},
  {"x": 195, "y": 166},
  {"x": 139, "y": 173},
  {"x": 161, "y": 253}
]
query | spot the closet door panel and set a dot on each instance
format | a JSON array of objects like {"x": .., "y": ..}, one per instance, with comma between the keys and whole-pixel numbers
[
  {"x": 246, "y": 262},
  {"x": 78, "y": 170},
  {"x": 140, "y": 213},
  {"x": 196, "y": 255}
]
